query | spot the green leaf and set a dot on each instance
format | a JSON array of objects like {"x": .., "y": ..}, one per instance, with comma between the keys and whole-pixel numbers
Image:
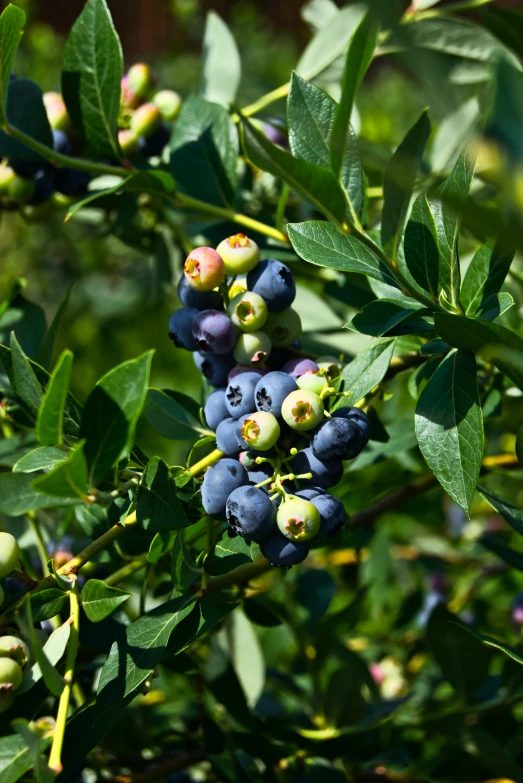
[
  {"x": 26, "y": 112},
  {"x": 485, "y": 275},
  {"x": 495, "y": 305},
  {"x": 51, "y": 411},
  {"x": 53, "y": 680},
  {"x": 221, "y": 62},
  {"x": 53, "y": 650},
  {"x": 493, "y": 342},
  {"x": 519, "y": 445},
  {"x": 382, "y": 316},
  {"x": 449, "y": 426},
  {"x": 169, "y": 418},
  {"x": 37, "y": 741},
  {"x": 510, "y": 513},
  {"x": 91, "y": 77},
  {"x": 129, "y": 664},
  {"x": 158, "y": 507},
  {"x": 318, "y": 12},
  {"x": 156, "y": 183},
  {"x": 27, "y": 320},
  {"x": 310, "y": 117},
  {"x": 228, "y": 554},
  {"x": 45, "y": 352},
  {"x": 204, "y": 151},
  {"x": 43, "y": 458},
  {"x": 13, "y": 449},
  {"x": 400, "y": 177},
  {"x": 68, "y": 479},
  {"x": 47, "y": 604},
  {"x": 320, "y": 243},
  {"x": 161, "y": 544},
  {"x": 421, "y": 246},
  {"x": 507, "y": 25},
  {"x": 365, "y": 371},
  {"x": 329, "y": 45},
  {"x": 15, "y": 757},
  {"x": 183, "y": 567},
  {"x": 240, "y": 643},
  {"x": 25, "y": 382},
  {"x": 12, "y": 21},
  {"x": 17, "y": 495},
  {"x": 497, "y": 645},
  {"x": 464, "y": 663},
  {"x": 99, "y": 601},
  {"x": 315, "y": 183},
  {"x": 111, "y": 413},
  {"x": 496, "y": 544},
  {"x": 359, "y": 57},
  {"x": 453, "y": 36}
]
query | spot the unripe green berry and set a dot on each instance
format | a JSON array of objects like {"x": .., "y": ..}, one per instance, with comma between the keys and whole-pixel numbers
[
  {"x": 252, "y": 349},
  {"x": 239, "y": 286},
  {"x": 260, "y": 431},
  {"x": 204, "y": 269},
  {"x": 302, "y": 410},
  {"x": 330, "y": 365},
  {"x": 9, "y": 553},
  {"x": 7, "y": 175},
  {"x": 169, "y": 103},
  {"x": 240, "y": 254},
  {"x": 11, "y": 675},
  {"x": 6, "y": 700},
  {"x": 14, "y": 648},
  {"x": 56, "y": 111},
  {"x": 284, "y": 327},
  {"x": 20, "y": 189},
  {"x": 298, "y": 519},
  {"x": 128, "y": 142},
  {"x": 141, "y": 79},
  {"x": 145, "y": 120},
  {"x": 312, "y": 381},
  {"x": 248, "y": 311}
]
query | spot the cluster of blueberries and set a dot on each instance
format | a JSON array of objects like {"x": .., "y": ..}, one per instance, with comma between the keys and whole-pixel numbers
[
  {"x": 144, "y": 131},
  {"x": 282, "y": 447},
  {"x": 14, "y": 654}
]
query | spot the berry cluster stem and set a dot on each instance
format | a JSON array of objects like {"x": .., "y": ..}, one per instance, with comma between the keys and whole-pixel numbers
[{"x": 55, "y": 757}]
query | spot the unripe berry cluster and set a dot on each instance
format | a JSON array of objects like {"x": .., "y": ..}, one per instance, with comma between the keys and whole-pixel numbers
[
  {"x": 14, "y": 654},
  {"x": 282, "y": 446}
]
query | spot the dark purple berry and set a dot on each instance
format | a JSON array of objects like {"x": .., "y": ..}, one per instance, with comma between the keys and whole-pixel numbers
[
  {"x": 250, "y": 513},
  {"x": 71, "y": 182},
  {"x": 200, "y": 300},
  {"x": 298, "y": 367},
  {"x": 214, "y": 367},
  {"x": 337, "y": 438},
  {"x": 274, "y": 282},
  {"x": 221, "y": 479},
  {"x": 214, "y": 332},
  {"x": 153, "y": 145},
  {"x": 25, "y": 168},
  {"x": 357, "y": 415},
  {"x": 325, "y": 473},
  {"x": 332, "y": 515},
  {"x": 43, "y": 187},
  {"x": 180, "y": 328},
  {"x": 61, "y": 142}
]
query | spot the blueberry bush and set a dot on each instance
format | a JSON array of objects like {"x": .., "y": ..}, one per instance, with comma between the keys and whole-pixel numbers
[{"x": 293, "y": 554}]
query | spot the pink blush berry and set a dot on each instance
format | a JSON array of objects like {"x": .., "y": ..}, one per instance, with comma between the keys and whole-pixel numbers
[{"x": 204, "y": 269}]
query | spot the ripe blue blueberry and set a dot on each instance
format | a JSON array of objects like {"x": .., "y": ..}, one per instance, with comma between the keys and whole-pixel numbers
[
  {"x": 200, "y": 300},
  {"x": 226, "y": 438},
  {"x": 308, "y": 493},
  {"x": 240, "y": 254},
  {"x": 180, "y": 328},
  {"x": 250, "y": 513},
  {"x": 215, "y": 409},
  {"x": 214, "y": 332},
  {"x": 337, "y": 438},
  {"x": 25, "y": 168},
  {"x": 214, "y": 367},
  {"x": 239, "y": 369},
  {"x": 298, "y": 519},
  {"x": 325, "y": 473},
  {"x": 279, "y": 551},
  {"x": 298, "y": 367},
  {"x": 219, "y": 481},
  {"x": 43, "y": 187},
  {"x": 252, "y": 349},
  {"x": 258, "y": 431},
  {"x": 332, "y": 515},
  {"x": 274, "y": 282},
  {"x": 71, "y": 182},
  {"x": 239, "y": 394},
  {"x": 259, "y": 473},
  {"x": 248, "y": 311},
  {"x": 271, "y": 391},
  {"x": 302, "y": 410},
  {"x": 283, "y": 327},
  {"x": 357, "y": 415},
  {"x": 61, "y": 142}
]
